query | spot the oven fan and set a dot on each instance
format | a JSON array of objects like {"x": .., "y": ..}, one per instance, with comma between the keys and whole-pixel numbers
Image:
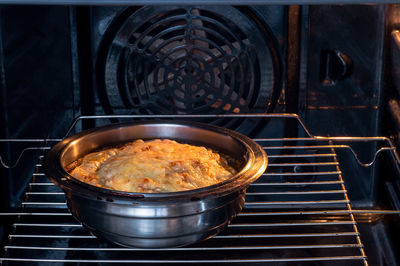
[{"x": 189, "y": 60}]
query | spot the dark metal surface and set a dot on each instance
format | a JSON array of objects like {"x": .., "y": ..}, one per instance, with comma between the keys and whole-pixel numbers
[
  {"x": 84, "y": 61},
  {"x": 156, "y": 220},
  {"x": 6, "y": 181},
  {"x": 35, "y": 75},
  {"x": 349, "y": 106},
  {"x": 293, "y": 59},
  {"x": 293, "y": 67},
  {"x": 37, "y": 69}
]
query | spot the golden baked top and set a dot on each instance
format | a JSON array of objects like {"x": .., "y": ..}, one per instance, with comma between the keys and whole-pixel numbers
[{"x": 152, "y": 166}]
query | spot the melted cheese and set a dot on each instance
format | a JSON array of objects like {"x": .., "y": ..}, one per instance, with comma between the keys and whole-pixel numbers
[{"x": 152, "y": 166}]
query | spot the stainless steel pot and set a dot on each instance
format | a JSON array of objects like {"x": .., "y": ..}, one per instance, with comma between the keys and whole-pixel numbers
[{"x": 156, "y": 220}]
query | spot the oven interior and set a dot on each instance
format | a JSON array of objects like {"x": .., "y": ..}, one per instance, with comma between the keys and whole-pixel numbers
[{"x": 317, "y": 86}]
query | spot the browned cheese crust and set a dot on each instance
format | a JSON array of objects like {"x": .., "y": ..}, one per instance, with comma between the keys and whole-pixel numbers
[{"x": 152, "y": 166}]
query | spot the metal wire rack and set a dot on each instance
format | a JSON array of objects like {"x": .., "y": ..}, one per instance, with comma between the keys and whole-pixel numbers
[{"x": 298, "y": 211}]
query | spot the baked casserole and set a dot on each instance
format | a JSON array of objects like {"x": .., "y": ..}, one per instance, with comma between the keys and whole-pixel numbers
[{"x": 154, "y": 166}]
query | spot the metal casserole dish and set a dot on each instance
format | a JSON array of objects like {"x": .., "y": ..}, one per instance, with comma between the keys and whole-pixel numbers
[{"x": 156, "y": 220}]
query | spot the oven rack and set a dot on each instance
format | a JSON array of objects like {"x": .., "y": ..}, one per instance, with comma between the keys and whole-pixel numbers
[
  {"x": 386, "y": 143},
  {"x": 298, "y": 211},
  {"x": 287, "y": 214}
]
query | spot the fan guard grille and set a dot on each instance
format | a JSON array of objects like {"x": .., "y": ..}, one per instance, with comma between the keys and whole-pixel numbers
[{"x": 185, "y": 60}]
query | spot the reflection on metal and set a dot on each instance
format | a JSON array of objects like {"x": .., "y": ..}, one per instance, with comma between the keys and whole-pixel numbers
[
  {"x": 395, "y": 54},
  {"x": 396, "y": 38}
]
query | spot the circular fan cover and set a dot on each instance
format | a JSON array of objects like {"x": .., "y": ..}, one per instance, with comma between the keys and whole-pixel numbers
[{"x": 186, "y": 60}]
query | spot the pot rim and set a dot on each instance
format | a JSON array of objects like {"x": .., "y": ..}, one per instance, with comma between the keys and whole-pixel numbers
[{"x": 255, "y": 165}]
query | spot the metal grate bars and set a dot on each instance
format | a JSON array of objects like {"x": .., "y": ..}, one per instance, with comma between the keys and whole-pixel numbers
[{"x": 298, "y": 211}]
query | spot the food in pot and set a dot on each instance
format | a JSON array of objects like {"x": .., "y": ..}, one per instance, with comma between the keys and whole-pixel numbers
[{"x": 152, "y": 166}]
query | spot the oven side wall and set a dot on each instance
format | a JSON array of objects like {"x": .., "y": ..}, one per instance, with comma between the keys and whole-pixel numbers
[{"x": 37, "y": 99}]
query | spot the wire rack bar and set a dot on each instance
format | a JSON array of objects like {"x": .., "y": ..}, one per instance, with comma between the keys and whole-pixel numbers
[
  {"x": 46, "y": 225},
  {"x": 51, "y": 236},
  {"x": 310, "y": 259},
  {"x": 302, "y": 174},
  {"x": 302, "y": 164},
  {"x": 35, "y": 214},
  {"x": 301, "y": 155},
  {"x": 221, "y": 236},
  {"x": 190, "y": 249},
  {"x": 45, "y": 193},
  {"x": 297, "y": 192},
  {"x": 41, "y": 184},
  {"x": 389, "y": 145},
  {"x": 297, "y": 183},
  {"x": 292, "y": 224},
  {"x": 315, "y": 202},
  {"x": 254, "y": 184}
]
